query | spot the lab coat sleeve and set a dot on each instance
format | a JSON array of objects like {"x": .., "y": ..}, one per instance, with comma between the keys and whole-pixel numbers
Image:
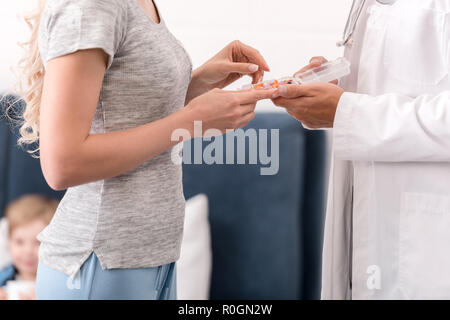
[{"x": 393, "y": 128}]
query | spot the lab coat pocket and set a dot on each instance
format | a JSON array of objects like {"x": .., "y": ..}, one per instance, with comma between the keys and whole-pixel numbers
[
  {"x": 414, "y": 49},
  {"x": 424, "y": 246}
]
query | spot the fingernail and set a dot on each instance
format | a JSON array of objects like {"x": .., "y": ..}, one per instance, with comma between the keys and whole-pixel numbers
[
  {"x": 253, "y": 68},
  {"x": 282, "y": 90},
  {"x": 315, "y": 61},
  {"x": 275, "y": 95}
]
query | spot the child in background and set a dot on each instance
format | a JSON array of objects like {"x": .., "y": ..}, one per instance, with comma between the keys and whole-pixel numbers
[{"x": 27, "y": 217}]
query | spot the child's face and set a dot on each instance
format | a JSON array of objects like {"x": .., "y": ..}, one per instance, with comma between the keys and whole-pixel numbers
[{"x": 24, "y": 246}]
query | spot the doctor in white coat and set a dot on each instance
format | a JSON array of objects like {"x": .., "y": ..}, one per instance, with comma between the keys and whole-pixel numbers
[{"x": 387, "y": 229}]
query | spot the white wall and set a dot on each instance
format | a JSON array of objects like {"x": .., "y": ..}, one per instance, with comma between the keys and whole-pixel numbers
[
  {"x": 12, "y": 31},
  {"x": 287, "y": 32}
]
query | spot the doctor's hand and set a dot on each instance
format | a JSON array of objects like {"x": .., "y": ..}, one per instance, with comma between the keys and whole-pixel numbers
[
  {"x": 314, "y": 105},
  {"x": 231, "y": 63},
  {"x": 313, "y": 63}
]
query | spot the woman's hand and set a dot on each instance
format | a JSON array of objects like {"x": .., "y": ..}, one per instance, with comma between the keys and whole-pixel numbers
[
  {"x": 222, "y": 110},
  {"x": 230, "y": 64}
]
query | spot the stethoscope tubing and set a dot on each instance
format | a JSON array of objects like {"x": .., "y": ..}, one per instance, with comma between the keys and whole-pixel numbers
[{"x": 347, "y": 36}]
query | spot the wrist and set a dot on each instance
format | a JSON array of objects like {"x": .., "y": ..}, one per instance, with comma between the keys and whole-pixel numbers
[
  {"x": 197, "y": 74},
  {"x": 188, "y": 115},
  {"x": 197, "y": 85}
]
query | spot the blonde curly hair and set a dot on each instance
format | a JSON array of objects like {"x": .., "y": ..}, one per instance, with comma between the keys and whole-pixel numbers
[{"x": 30, "y": 72}]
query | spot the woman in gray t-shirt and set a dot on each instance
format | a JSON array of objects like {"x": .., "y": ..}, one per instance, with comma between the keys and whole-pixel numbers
[{"x": 108, "y": 85}]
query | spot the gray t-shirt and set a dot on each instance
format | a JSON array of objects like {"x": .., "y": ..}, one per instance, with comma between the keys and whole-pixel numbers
[{"x": 134, "y": 220}]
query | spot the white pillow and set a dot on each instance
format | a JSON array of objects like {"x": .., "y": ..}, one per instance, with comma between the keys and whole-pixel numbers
[
  {"x": 195, "y": 263},
  {"x": 5, "y": 257}
]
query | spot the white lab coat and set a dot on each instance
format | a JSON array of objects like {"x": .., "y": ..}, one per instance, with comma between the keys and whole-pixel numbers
[{"x": 387, "y": 229}]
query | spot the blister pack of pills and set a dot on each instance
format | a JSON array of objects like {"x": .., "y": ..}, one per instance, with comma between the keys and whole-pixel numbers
[
  {"x": 329, "y": 71},
  {"x": 271, "y": 84}
]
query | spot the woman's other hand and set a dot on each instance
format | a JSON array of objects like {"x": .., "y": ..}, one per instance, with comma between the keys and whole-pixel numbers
[{"x": 230, "y": 64}]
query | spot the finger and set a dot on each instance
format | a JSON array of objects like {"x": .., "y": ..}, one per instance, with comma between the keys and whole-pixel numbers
[
  {"x": 293, "y": 91},
  {"x": 318, "y": 59},
  {"x": 252, "y": 96},
  {"x": 251, "y": 55},
  {"x": 240, "y": 67},
  {"x": 257, "y": 77},
  {"x": 308, "y": 67},
  {"x": 254, "y": 56},
  {"x": 313, "y": 63}
]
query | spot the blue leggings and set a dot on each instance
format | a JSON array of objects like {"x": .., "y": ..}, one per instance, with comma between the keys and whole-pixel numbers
[{"x": 94, "y": 283}]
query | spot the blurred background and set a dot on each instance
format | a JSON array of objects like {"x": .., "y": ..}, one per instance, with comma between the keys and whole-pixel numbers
[{"x": 246, "y": 236}]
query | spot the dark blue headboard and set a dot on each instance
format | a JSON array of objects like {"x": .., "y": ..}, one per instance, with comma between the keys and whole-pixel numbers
[
  {"x": 266, "y": 230},
  {"x": 19, "y": 173}
]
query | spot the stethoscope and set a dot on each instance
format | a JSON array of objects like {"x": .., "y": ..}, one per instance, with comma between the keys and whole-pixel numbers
[{"x": 352, "y": 20}]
